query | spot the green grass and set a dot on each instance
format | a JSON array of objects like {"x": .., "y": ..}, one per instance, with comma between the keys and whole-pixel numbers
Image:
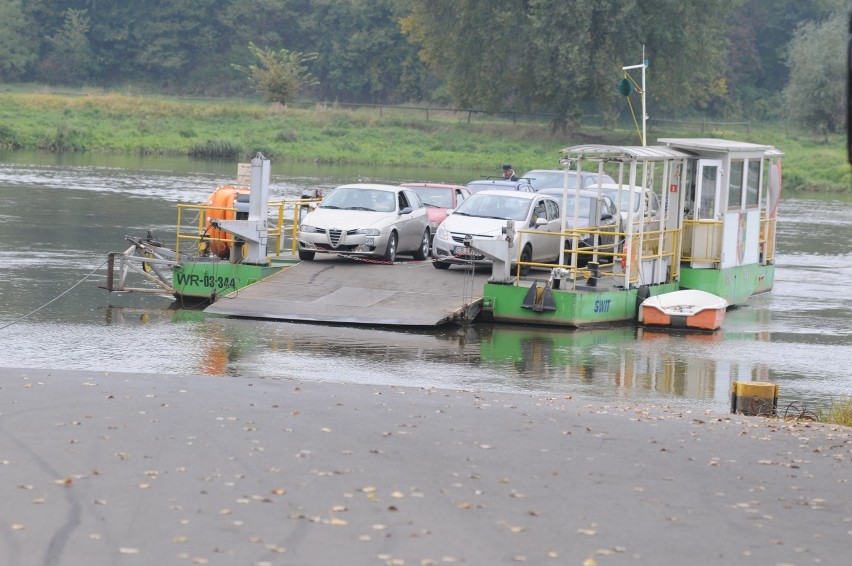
[
  {"x": 839, "y": 412},
  {"x": 230, "y": 128}
]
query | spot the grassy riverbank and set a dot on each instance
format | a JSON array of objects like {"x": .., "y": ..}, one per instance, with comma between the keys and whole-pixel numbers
[{"x": 232, "y": 129}]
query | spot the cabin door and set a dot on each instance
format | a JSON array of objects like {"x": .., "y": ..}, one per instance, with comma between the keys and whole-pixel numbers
[
  {"x": 708, "y": 185},
  {"x": 707, "y": 232}
]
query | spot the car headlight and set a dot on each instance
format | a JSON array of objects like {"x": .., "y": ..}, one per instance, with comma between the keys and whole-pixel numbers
[
  {"x": 307, "y": 228},
  {"x": 368, "y": 231},
  {"x": 442, "y": 233}
]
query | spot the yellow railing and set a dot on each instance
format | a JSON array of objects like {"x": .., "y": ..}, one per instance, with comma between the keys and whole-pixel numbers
[
  {"x": 654, "y": 244},
  {"x": 709, "y": 234},
  {"x": 282, "y": 224},
  {"x": 767, "y": 234}
]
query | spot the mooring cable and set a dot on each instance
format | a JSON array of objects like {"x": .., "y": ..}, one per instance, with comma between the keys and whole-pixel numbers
[{"x": 59, "y": 296}]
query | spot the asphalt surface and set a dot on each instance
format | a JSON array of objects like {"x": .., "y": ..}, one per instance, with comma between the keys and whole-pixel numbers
[{"x": 118, "y": 468}]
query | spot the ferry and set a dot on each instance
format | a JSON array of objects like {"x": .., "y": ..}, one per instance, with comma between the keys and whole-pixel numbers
[
  {"x": 715, "y": 232},
  {"x": 231, "y": 243}
]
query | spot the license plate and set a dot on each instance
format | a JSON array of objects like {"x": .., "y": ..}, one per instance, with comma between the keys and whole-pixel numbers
[
  {"x": 466, "y": 253},
  {"x": 369, "y": 241}
]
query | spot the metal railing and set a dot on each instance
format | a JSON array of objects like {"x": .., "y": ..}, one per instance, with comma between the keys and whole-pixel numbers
[
  {"x": 282, "y": 225},
  {"x": 652, "y": 244}
]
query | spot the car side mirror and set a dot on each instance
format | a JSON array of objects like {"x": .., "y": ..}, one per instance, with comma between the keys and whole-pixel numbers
[
  {"x": 540, "y": 222},
  {"x": 406, "y": 210},
  {"x": 606, "y": 217}
]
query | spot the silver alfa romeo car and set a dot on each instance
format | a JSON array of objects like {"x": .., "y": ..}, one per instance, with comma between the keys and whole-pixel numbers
[{"x": 366, "y": 220}]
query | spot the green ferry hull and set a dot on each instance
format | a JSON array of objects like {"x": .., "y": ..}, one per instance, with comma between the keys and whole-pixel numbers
[
  {"x": 582, "y": 308},
  {"x": 735, "y": 284},
  {"x": 573, "y": 308},
  {"x": 210, "y": 279}
]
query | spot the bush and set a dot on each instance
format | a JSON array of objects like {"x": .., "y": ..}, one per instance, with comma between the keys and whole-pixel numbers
[
  {"x": 8, "y": 138},
  {"x": 217, "y": 149}
]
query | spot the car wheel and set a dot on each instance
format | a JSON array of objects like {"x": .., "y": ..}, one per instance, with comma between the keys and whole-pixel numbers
[
  {"x": 423, "y": 251},
  {"x": 390, "y": 251},
  {"x": 526, "y": 256},
  {"x": 440, "y": 265},
  {"x": 306, "y": 256}
]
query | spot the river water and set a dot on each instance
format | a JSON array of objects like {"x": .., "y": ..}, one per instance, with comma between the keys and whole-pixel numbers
[{"x": 62, "y": 215}]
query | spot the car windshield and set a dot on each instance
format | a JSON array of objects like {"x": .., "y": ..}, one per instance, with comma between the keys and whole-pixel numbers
[
  {"x": 585, "y": 206},
  {"x": 435, "y": 196},
  {"x": 623, "y": 201},
  {"x": 360, "y": 199},
  {"x": 504, "y": 207},
  {"x": 550, "y": 179}
]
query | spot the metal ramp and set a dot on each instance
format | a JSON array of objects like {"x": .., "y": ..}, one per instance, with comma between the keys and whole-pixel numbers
[{"x": 339, "y": 290}]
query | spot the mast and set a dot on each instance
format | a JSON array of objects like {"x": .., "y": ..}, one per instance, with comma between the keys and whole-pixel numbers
[{"x": 643, "y": 66}]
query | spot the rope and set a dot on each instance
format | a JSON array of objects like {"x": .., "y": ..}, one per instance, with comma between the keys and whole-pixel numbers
[
  {"x": 59, "y": 296},
  {"x": 630, "y": 104}
]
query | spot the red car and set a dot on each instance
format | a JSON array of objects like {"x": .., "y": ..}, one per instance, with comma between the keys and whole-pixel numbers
[{"x": 439, "y": 199}]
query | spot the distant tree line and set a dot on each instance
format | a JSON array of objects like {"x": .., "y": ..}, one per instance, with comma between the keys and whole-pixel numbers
[{"x": 765, "y": 59}]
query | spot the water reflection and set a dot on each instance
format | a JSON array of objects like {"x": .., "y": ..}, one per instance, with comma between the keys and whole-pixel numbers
[
  {"x": 631, "y": 362},
  {"x": 615, "y": 363}
]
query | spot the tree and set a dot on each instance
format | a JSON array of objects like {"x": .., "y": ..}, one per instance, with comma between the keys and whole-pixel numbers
[
  {"x": 366, "y": 57},
  {"x": 759, "y": 31},
  {"x": 18, "y": 47},
  {"x": 70, "y": 59},
  {"x": 479, "y": 47},
  {"x": 814, "y": 97},
  {"x": 280, "y": 75},
  {"x": 565, "y": 56}
]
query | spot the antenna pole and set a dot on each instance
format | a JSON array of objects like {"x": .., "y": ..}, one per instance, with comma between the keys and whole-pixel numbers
[{"x": 643, "y": 66}]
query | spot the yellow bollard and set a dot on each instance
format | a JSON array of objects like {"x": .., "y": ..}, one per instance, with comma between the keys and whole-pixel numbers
[{"x": 754, "y": 398}]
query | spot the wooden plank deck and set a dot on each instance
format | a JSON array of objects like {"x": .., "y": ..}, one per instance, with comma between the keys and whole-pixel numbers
[{"x": 338, "y": 290}]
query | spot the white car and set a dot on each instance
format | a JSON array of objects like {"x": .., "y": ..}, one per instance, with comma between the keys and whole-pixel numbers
[
  {"x": 555, "y": 179},
  {"x": 484, "y": 215},
  {"x": 366, "y": 220},
  {"x": 645, "y": 201}
]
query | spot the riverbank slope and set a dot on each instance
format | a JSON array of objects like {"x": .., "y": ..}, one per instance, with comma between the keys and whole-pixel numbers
[
  {"x": 234, "y": 129},
  {"x": 119, "y": 468}
]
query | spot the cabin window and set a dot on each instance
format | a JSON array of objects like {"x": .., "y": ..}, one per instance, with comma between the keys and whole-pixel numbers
[
  {"x": 707, "y": 206},
  {"x": 735, "y": 185},
  {"x": 753, "y": 183}
]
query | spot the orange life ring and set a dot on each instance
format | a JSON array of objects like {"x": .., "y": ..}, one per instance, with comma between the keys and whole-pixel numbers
[{"x": 224, "y": 197}]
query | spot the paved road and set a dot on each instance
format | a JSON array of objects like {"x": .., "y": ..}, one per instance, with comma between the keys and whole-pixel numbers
[{"x": 117, "y": 468}]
